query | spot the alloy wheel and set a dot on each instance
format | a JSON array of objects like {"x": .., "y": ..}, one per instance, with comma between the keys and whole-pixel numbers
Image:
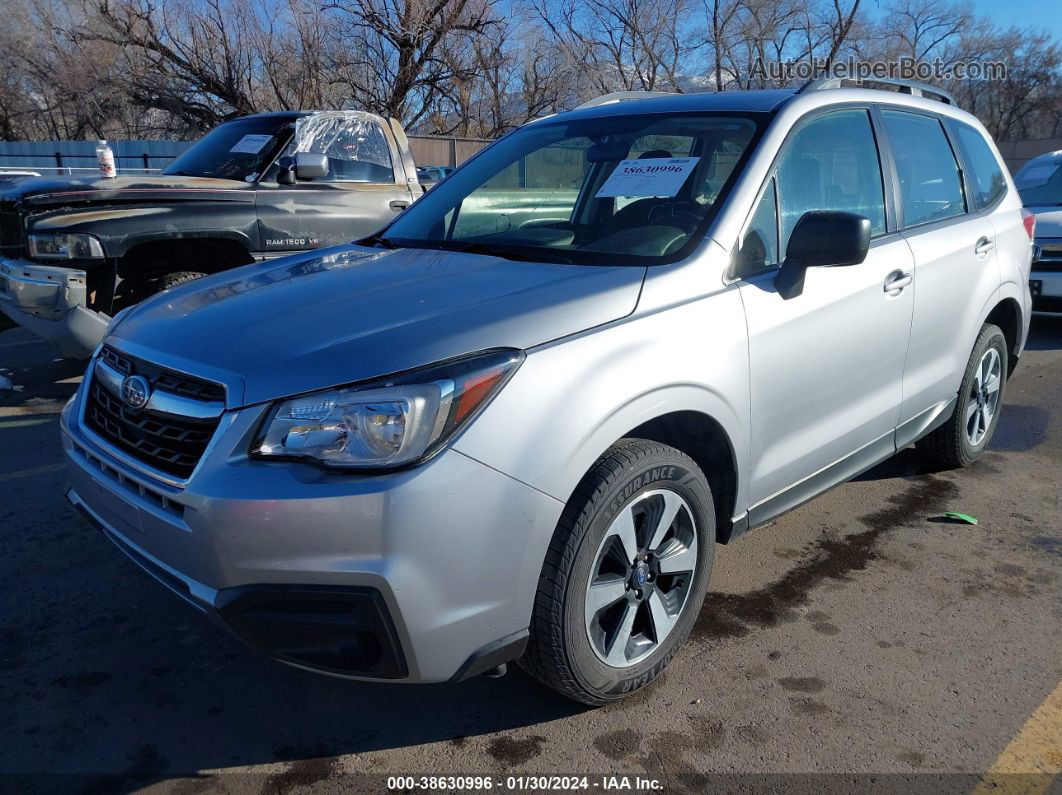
[
  {"x": 642, "y": 572},
  {"x": 983, "y": 398}
]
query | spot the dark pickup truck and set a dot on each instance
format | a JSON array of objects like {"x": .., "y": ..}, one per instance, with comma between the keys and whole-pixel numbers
[{"x": 73, "y": 252}]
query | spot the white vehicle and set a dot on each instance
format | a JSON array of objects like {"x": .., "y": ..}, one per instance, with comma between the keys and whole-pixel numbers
[{"x": 1040, "y": 185}]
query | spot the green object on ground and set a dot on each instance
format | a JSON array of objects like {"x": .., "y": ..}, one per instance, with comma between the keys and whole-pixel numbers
[{"x": 962, "y": 517}]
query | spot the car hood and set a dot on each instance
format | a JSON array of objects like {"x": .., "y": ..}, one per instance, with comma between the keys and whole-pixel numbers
[
  {"x": 1048, "y": 221},
  {"x": 64, "y": 190},
  {"x": 351, "y": 313}
]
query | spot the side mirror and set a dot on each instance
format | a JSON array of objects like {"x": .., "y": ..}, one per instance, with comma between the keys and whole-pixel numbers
[
  {"x": 310, "y": 165},
  {"x": 822, "y": 238}
]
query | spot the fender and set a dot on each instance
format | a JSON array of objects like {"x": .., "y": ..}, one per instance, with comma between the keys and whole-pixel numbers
[
  {"x": 1019, "y": 293},
  {"x": 1018, "y": 299},
  {"x": 119, "y": 229},
  {"x": 586, "y": 395},
  {"x": 645, "y": 407}
]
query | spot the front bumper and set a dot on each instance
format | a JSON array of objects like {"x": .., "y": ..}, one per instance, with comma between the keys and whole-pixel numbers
[
  {"x": 441, "y": 561},
  {"x": 1049, "y": 298},
  {"x": 50, "y": 302}
]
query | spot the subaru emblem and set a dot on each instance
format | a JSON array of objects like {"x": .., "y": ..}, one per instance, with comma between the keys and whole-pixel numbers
[{"x": 135, "y": 391}]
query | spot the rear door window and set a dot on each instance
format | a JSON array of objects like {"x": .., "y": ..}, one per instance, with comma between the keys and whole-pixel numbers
[
  {"x": 985, "y": 172},
  {"x": 930, "y": 180}
]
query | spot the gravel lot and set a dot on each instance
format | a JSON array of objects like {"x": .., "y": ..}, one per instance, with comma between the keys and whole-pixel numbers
[{"x": 862, "y": 633}]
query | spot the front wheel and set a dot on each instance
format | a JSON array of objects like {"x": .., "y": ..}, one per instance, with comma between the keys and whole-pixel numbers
[
  {"x": 625, "y": 574},
  {"x": 961, "y": 440},
  {"x": 139, "y": 290}
]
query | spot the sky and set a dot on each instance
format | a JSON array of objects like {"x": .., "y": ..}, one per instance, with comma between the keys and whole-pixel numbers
[
  {"x": 1036, "y": 14},
  {"x": 1045, "y": 14}
]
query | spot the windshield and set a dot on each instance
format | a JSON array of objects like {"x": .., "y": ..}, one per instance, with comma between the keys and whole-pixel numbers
[
  {"x": 239, "y": 149},
  {"x": 615, "y": 189},
  {"x": 1040, "y": 183}
]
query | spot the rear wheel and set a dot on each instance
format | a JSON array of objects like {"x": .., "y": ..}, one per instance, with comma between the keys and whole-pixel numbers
[
  {"x": 961, "y": 440},
  {"x": 625, "y": 574}
]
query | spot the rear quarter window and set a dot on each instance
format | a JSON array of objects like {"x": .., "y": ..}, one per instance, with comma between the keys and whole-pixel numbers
[{"x": 985, "y": 172}]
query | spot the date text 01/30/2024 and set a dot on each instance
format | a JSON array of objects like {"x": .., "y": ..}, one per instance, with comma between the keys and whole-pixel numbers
[{"x": 606, "y": 783}]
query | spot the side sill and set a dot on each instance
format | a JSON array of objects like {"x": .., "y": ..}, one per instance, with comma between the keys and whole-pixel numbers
[
  {"x": 843, "y": 470},
  {"x": 924, "y": 423},
  {"x": 822, "y": 481},
  {"x": 738, "y": 527}
]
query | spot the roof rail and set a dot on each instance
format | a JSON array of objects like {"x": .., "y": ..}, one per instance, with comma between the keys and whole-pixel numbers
[
  {"x": 911, "y": 87},
  {"x": 622, "y": 96}
]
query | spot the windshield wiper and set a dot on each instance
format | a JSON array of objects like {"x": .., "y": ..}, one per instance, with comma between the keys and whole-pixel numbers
[
  {"x": 517, "y": 253},
  {"x": 376, "y": 240}
]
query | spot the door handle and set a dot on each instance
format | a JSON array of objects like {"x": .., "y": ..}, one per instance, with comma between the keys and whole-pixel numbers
[
  {"x": 983, "y": 246},
  {"x": 896, "y": 281},
  {"x": 398, "y": 205}
]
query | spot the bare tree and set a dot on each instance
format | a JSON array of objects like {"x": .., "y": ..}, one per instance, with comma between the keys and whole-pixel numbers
[
  {"x": 621, "y": 44},
  {"x": 145, "y": 68},
  {"x": 840, "y": 26},
  {"x": 1026, "y": 104},
  {"x": 194, "y": 61},
  {"x": 925, "y": 28},
  {"x": 397, "y": 56},
  {"x": 518, "y": 76}
]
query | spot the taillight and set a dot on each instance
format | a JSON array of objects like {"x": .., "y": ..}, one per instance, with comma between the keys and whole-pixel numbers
[{"x": 1028, "y": 220}]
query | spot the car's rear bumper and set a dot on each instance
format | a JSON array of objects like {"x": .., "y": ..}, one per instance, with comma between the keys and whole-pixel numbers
[
  {"x": 424, "y": 575},
  {"x": 50, "y": 302},
  {"x": 1049, "y": 298}
]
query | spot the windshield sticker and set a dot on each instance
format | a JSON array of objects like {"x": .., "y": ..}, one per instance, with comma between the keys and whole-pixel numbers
[
  {"x": 654, "y": 176},
  {"x": 1037, "y": 175},
  {"x": 251, "y": 144}
]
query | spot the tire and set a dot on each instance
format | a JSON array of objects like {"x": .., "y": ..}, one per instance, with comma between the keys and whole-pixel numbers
[
  {"x": 573, "y": 646},
  {"x": 173, "y": 279},
  {"x": 142, "y": 289},
  {"x": 955, "y": 444}
]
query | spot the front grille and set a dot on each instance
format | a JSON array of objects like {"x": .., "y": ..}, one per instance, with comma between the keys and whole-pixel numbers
[
  {"x": 1050, "y": 260},
  {"x": 10, "y": 232},
  {"x": 118, "y": 361},
  {"x": 170, "y": 444},
  {"x": 161, "y": 378}
]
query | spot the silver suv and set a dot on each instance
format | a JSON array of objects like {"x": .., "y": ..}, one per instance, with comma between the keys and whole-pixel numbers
[{"x": 514, "y": 424}]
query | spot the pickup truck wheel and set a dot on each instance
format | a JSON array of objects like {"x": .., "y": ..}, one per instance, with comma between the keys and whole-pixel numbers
[
  {"x": 173, "y": 279},
  {"x": 137, "y": 290},
  {"x": 625, "y": 574},
  {"x": 961, "y": 440}
]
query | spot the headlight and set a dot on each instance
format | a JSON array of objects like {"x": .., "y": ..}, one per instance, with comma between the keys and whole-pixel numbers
[
  {"x": 387, "y": 423},
  {"x": 62, "y": 245}
]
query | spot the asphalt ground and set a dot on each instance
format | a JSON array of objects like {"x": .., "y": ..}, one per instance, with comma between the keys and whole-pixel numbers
[{"x": 861, "y": 643}]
